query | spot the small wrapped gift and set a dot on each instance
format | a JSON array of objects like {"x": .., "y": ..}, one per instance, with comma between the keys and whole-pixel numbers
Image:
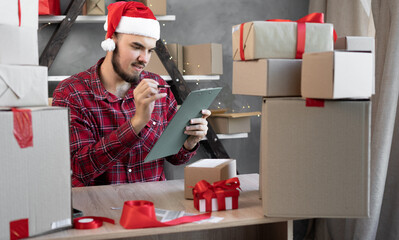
[
  {"x": 221, "y": 195},
  {"x": 280, "y": 38}
]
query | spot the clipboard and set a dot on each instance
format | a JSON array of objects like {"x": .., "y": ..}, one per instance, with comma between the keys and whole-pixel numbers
[{"x": 172, "y": 139}]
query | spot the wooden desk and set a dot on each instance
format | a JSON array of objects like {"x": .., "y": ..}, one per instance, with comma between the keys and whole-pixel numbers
[{"x": 246, "y": 222}]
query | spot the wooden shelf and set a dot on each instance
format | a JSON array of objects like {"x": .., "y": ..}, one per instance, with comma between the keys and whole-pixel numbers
[
  {"x": 165, "y": 77},
  {"x": 93, "y": 19}
]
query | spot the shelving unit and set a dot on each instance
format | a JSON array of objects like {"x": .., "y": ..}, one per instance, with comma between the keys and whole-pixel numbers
[{"x": 93, "y": 19}]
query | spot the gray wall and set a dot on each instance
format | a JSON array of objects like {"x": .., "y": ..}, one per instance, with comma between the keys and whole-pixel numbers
[{"x": 197, "y": 21}]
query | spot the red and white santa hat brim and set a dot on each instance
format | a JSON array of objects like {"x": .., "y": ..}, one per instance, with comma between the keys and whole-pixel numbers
[{"x": 129, "y": 18}]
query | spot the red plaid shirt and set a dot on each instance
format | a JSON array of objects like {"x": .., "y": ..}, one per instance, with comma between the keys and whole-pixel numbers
[{"x": 104, "y": 147}]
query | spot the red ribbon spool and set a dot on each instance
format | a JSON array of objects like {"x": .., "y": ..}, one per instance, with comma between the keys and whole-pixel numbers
[{"x": 90, "y": 222}]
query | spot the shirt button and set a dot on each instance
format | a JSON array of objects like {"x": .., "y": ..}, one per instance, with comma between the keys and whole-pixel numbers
[
  {"x": 154, "y": 123},
  {"x": 129, "y": 170}
]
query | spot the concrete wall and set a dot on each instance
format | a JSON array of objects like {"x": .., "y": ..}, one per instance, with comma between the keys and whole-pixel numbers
[{"x": 196, "y": 22}]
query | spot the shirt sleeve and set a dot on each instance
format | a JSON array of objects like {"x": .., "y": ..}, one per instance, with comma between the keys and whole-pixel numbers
[{"x": 91, "y": 157}]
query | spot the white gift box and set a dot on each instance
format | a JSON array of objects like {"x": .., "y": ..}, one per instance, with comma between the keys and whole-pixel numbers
[
  {"x": 29, "y": 13},
  {"x": 337, "y": 75},
  {"x": 18, "y": 45},
  {"x": 36, "y": 181},
  {"x": 22, "y": 86},
  {"x": 215, "y": 206}
]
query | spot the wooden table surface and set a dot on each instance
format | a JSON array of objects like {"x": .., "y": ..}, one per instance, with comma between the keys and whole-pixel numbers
[{"x": 98, "y": 200}]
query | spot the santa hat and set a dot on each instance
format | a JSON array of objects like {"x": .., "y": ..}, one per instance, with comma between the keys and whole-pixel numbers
[{"x": 130, "y": 18}]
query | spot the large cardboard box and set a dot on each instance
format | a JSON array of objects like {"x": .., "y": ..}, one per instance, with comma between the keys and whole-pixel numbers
[
  {"x": 158, "y": 7},
  {"x": 210, "y": 170},
  {"x": 230, "y": 123},
  {"x": 267, "y": 77},
  {"x": 36, "y": 181},
  {"x": 203, "y": 59},
  {"x": 337, "y": 75},
  {"x": 315, "y": 160},
  {"x": 23, "y": 86},
  {"x": 19, "y": 46},
  {"x": 360, "y": 44},
  {"x": 176, "y": 52},
  {"x": 29, "y": 13},
  {"x": 264, "y": 39}
]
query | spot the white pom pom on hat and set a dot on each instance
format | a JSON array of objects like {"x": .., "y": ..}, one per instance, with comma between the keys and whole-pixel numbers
[{"x": 130, "y": 18}]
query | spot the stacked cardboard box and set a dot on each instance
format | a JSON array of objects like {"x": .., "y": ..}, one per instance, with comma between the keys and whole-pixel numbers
[
  {"x": 34, "y": 141},
  {"x": 203, "y": 59},
  {"x": 315, "y": 132},
  {"x": 176, "y": 52}
]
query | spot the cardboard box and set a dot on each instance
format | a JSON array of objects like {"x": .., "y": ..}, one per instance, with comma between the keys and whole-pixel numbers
[
  {"x": 264, "y": 39},
  {"x": 229, "y": 123},
  {"x": 23, "y": 86},
  {"x": 176, "y": 52},
  {"x": 36, "y": 181},
  {"x": 337, "y": 75},
  {"x": 210, "y": 170},
  {"x": 20, "y": 46},
  {"x": 203, "y": 59},
  {"x": 267, "y": 77},
  {"x": 358, "y": 43},
  {"x": 95, "y": 7},
  {"x": 158, "y": 7},
  {"x": 315, "y": 160},
  {"x": 29, "y": 13}
]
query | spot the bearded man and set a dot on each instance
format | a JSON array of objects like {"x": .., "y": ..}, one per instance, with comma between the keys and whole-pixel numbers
[{"x": 117, "y": 109}]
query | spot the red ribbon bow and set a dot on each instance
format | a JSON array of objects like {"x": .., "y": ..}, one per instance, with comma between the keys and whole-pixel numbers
[
  {"x": 206, "y": 190},
  {"x": 301, "y": 32}
]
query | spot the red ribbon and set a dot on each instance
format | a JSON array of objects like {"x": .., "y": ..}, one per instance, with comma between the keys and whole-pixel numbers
[
  {"x": 208, "y": 191},
  {"x": 23, "y": 127},
  {"x": 19, "y": 12},
  {"x": 90, "y": 222},
  {"x": 314, "y": 102},
  {"x": 301, "y": 32},
  {"x": 19, "y": 229},
  {"x": 141, "y": 214}
]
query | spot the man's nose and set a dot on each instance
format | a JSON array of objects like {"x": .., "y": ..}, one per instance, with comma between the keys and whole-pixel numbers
[{"x": 144, "y": 57}]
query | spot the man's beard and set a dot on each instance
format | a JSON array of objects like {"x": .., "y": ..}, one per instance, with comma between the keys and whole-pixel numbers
[{"x": 130, "y": 78}]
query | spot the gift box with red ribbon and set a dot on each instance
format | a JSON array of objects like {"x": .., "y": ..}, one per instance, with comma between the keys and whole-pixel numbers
[
  {"x": 281, "y": 38},
  {"x": 221, "y": 195}
]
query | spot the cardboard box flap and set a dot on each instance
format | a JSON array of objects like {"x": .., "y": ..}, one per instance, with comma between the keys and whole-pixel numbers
[
  {"x": 23, "y": 86},
  {"x": 13, "y": 79},
  {"x": 236, "y": 115}
]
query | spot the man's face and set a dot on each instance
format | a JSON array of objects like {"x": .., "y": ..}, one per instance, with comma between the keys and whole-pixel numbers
[{"x": 132, "y": 53}]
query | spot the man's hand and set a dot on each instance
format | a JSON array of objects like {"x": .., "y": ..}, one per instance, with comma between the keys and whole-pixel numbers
[
  {"x": 197, "y": 130},
  {"x": 145, "y": 95}
]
